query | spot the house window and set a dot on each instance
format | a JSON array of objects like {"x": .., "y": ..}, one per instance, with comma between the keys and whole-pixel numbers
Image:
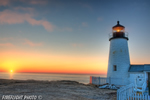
[{"x": 115, "y": 68}]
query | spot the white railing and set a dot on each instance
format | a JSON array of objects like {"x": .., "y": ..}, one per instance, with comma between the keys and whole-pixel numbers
[
  {"x": 144, "y": 87},
  {"x": 125, "y": 92},
  {"x": 137, "y": 96},
  {"x": 129, "y": 93},
  {"x": 95, "y": 80},
  {"x": 104, "y": 80}
]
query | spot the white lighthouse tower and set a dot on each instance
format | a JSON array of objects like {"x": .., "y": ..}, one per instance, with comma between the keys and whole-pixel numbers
[{"x": 119, "y": 61}]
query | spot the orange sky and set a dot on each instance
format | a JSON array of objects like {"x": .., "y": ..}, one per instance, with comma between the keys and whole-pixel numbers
[{"x": 23, "y": 61}]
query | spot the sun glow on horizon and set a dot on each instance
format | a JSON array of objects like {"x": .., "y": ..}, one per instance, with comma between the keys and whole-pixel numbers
[
  {"x": 11, "y": 71},
  {"x": 26, "y": 61}
]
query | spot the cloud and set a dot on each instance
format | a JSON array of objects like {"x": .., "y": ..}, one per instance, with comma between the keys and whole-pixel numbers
[
  {"x": 10, "y": 17},
  {"x": 4, "y": 2},
  {"x": 65, "y": 29},
  {"x": 6, "y": 39},
  {"x": 76, "y": 45},
  {"x": 38, "y": 2},
  {"x": 99, "y": 19},
  {"x": 6, "y": 44},
  {"x": 87, "y": 6},
  {"x": 30, "y": 43},
  {"x": 68, "y": 29},
  {"x": 35, "y": 2},
  {"x": 84, "y": 24},
  {"x": 29, "y": 9}
]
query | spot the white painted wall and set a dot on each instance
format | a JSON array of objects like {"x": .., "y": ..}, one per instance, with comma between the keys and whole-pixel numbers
[
  {"x": 119, "y": 55},
  {"x": 137, "y": 78}
]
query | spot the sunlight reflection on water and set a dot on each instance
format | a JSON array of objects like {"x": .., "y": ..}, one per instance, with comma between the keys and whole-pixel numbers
[{"x": 11, "y": 76}]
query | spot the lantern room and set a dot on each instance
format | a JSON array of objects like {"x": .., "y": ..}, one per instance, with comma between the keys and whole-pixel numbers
[
  {"x": 118, "y": 31},
  {"x": 118, "y": 28}
]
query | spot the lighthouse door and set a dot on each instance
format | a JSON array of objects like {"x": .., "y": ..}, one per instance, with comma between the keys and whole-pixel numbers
[{"x": 149, "y": 82}]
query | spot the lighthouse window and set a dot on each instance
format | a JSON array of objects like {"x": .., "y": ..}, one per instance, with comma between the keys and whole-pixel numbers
[{"x": 115, "y": 68}]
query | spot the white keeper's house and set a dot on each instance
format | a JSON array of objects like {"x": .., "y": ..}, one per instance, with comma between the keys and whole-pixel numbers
[{"x": 119, "y": 60}]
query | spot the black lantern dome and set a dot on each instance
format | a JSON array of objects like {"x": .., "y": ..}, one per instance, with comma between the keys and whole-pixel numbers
[
  {"x": 118, "y": 28},
  {"x": 118, "y": 31}
]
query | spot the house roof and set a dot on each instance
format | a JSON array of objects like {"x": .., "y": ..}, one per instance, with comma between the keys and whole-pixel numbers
[
  {"x": 147, "y": 68},
  {"x": 139, "y": 68}
]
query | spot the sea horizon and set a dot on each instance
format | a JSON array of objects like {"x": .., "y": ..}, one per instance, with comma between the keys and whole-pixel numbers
[
  {"x": 81, "y": 78},
  {"x": 54, "y": 73}
]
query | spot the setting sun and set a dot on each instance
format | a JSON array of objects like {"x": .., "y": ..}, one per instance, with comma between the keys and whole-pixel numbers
[{"x": 11, "y": 71}]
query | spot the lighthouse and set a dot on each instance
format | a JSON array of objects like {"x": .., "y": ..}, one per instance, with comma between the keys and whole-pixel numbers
[
  {"x": 120, "y": 72},
  {"x": 119, "y": 61}
]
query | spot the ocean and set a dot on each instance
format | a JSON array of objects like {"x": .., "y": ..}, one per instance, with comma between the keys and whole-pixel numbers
[{"x": 82, "y": 78}]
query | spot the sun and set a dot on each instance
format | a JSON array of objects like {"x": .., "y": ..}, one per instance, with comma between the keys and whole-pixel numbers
[{"x": 11, "y": 71}]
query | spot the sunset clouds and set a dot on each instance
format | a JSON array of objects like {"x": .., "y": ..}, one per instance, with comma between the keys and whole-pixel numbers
[
  {"x": 6, "y": 42},
  {"x": 12, "y": 42},
  {"x": 32, "y": 44},
  {"x": 6, "y": 45},
  {"x": 33, "y": 2},
  {"x": 4, "y": 2},
  {"x": 11, "y": 17},
  {"x": 84, "y": 24}
]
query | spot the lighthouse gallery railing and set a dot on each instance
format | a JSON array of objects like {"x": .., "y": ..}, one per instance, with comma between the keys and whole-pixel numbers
[{"x": 126, "y": 34}]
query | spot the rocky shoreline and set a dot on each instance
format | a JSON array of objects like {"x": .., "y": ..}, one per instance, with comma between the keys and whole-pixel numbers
[{"x": 54, "y": 90}]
